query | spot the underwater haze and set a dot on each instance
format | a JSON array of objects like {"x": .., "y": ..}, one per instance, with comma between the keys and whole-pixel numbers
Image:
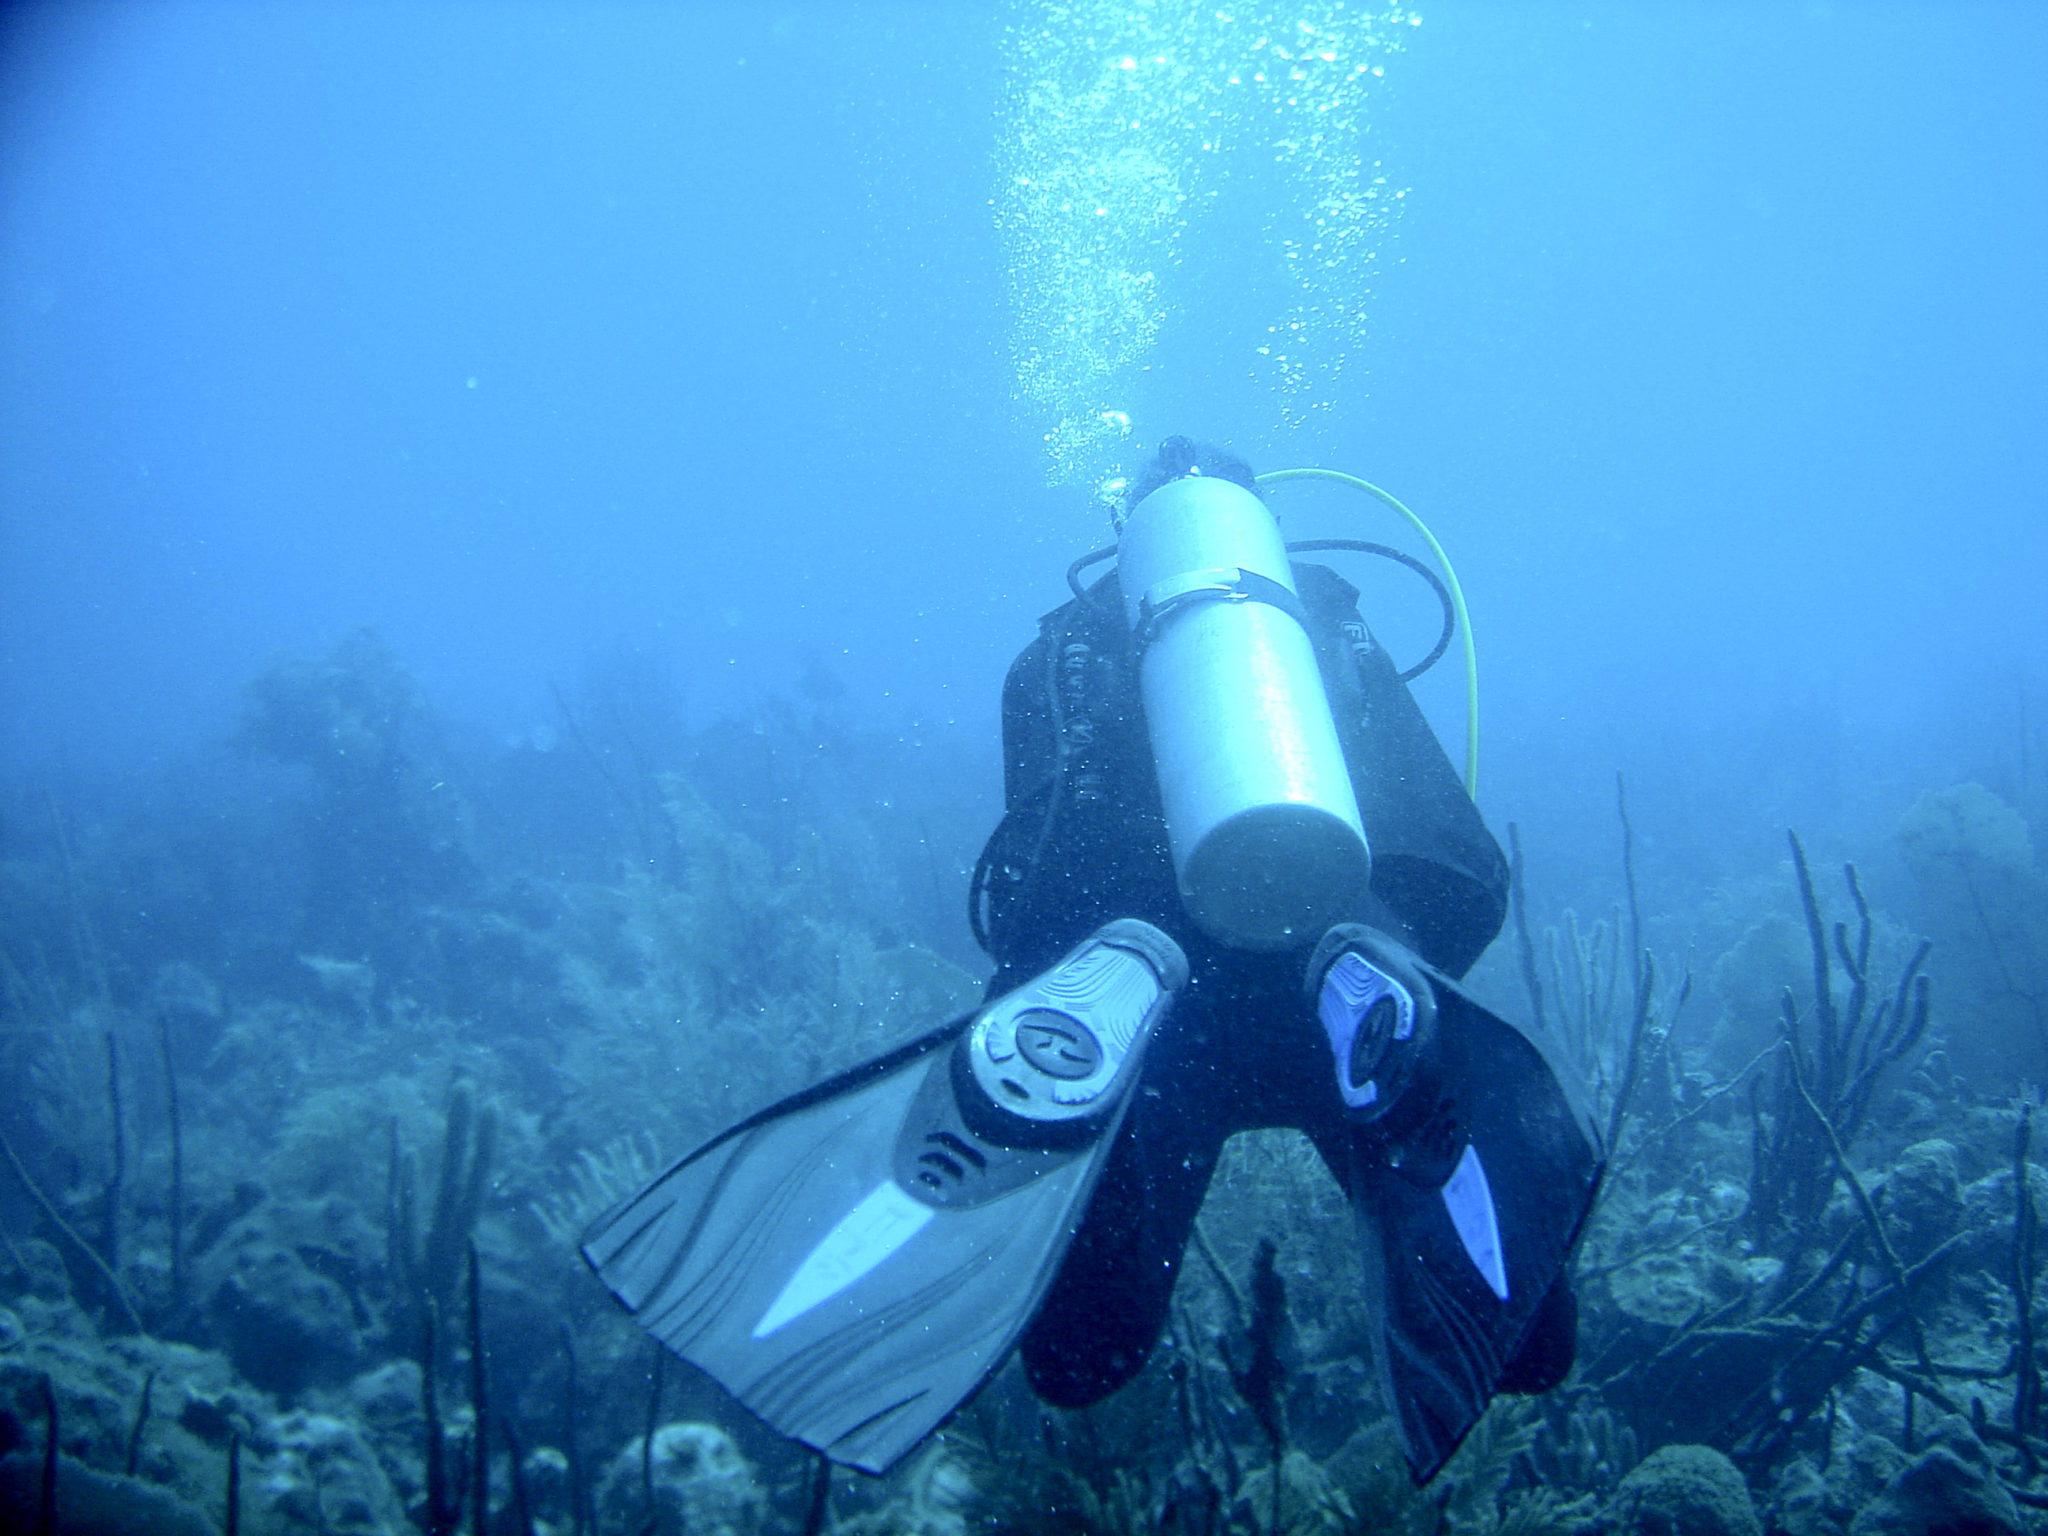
[{"x": 513, "y": 523}]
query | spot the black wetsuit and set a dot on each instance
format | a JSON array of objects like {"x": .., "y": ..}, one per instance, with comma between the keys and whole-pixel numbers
[{"x": 1084, "y": 842}]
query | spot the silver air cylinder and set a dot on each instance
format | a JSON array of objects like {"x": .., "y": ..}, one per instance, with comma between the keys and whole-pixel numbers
[{"x": 1267, "y": 842}]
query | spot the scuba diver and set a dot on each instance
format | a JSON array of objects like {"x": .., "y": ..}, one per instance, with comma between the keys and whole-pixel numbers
[{"x": 1235, "y": 886}]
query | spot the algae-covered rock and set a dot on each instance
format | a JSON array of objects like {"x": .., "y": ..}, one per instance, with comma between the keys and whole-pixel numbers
[
  {"x": 1944, "y": 1493},
  {"x": 1682, "y": 1490},
  {"x": 1801, "y": 1502},
  {"x": 284, "y": 1326},
  {"x": 549, "y": 1486},
  {"x": 94, "y": 1503},
  {"x": 1662, "y": 1288},
  {"x": 701, "y": 1483},
  {"x": 1924, "y": 1192},
  {"x": 324, "y": 1475},
  {"x": 42, "y": 1272},
  {"x": 1669, "y": 1288},
  {"x": 300, "y": 1470},
  {"x": 937, "y": 1495},
  {"x": 388, "y": 1398}
]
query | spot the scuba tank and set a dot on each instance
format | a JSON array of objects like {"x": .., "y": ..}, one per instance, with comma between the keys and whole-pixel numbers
[{"x": 1268, "y": 847}]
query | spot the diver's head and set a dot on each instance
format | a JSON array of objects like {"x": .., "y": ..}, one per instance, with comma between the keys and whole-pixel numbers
[{"x": 1179, "y": 456}]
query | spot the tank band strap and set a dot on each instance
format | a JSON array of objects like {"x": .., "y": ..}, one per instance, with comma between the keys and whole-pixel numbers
[{"x": 1230, "y": 584}]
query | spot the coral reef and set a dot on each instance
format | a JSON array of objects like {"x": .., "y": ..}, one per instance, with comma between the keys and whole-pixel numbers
[{"x": 293, "y": 1180}]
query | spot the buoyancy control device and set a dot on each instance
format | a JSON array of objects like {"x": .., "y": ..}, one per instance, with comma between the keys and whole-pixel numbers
[{"x": 1268, "y": 846}]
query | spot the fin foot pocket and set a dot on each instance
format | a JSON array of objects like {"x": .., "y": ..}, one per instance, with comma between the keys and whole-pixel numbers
[
  {"x": 1379, "y": 1012},
  {"x": 1065, "y": 1046}
]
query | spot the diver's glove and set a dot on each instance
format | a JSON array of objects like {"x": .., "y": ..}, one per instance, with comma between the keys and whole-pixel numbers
[{"x": 1471, "y": 1172}]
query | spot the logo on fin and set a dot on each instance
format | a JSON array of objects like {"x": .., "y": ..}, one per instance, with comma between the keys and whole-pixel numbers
[
  {"x": 886, "y": 1218},
  {"x": 1470, "y": 1202}
]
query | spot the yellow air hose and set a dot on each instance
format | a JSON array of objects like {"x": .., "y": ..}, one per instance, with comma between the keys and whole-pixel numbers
[{"x": 1280, "y": 476}]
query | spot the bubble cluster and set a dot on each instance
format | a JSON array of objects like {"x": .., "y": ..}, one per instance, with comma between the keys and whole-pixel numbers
[{"x": 1122, "y": 112}]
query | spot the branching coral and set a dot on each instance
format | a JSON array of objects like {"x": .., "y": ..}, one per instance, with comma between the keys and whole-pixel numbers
[
  {"x": 594, "y": 1182},
  {"x": 1832, "y": 1057}
]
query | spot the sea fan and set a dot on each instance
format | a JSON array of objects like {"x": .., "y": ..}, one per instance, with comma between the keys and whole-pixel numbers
[{"x": 597, "y": 1181}]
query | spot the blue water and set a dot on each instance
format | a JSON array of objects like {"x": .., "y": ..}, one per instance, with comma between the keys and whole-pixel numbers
[{"x": 1708, "y": 337}]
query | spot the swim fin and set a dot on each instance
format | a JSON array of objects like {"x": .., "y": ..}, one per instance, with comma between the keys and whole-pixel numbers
[
  {"x": 853, "y": 1262},
  {"x": 1471, "y": 1182}
]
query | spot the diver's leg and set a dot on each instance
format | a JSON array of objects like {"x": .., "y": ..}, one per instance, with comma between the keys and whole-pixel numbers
[{"x": 1108, "y": 1305}]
